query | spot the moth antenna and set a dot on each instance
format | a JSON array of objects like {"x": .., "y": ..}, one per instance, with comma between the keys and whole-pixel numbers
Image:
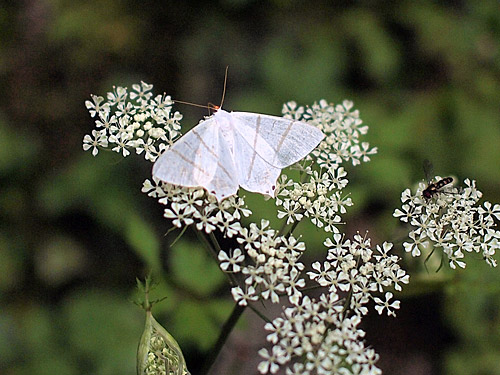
[
  {"x": 224, "y": 91},
  {"x": 209, "y": 106}
]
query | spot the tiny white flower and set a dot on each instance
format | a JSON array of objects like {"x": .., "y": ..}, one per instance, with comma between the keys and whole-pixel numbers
[
  {"x": 386, "y": 305},
  {"x": 227, "y": 261},
  {"x": 98, "y": 139},
  {"x": 272, "y": 361},
  {"x": 118, "y": 95},
  {"x": 95, "y": 106},
  {"x": 141, "y": 91},
  {"x": 242, "y": 297}
]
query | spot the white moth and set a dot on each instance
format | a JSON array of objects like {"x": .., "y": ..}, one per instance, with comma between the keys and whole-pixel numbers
[{"x": 233, "y": 149}]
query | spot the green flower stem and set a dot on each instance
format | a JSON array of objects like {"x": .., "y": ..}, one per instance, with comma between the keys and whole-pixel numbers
[
  {"x": 259, "y": 314},
  {"x": 292, "y": 228},
  {"x": 215, "y": 243},
  {"x": 208, "y": 244},
  {"x": 213, "y": 246},
  {"x": 225, "y": 332}
]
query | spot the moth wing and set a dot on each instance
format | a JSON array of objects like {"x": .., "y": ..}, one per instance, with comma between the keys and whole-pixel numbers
[
  {"x": 183, "y": 164},
  {"x": 254, "y": 172},
  {"x": 278, "y": 140},
  {"x": 199, "y": 158},
  {"x": 225, "y": 179}
]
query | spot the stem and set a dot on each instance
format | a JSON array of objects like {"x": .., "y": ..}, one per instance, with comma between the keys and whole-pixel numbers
[
  {"x": 210, "y": 245},
  {"x": 179, "y": 235},
  {"x": 225, "y": 332},
  {"x": 215, "y": 242},
  {"x": 207, "y": 244},
  {"x": 290, "y": 231},
  {"x": 283, "y": 226},
  {"x": 259, "y": 314},
  {"x": 238, "y": 310}
]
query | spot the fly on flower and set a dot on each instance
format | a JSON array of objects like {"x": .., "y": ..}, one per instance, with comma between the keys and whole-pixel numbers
[{"x": 433, "y": 187}]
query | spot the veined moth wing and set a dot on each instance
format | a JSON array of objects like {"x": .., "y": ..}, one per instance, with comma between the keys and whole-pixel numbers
[
  {"x": 201, "y": 157},
  {"x": 254, "y": 172},
  {"x": 279, "y": 141}
]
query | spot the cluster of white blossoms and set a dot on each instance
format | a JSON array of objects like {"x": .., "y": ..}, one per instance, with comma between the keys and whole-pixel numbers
[
  {"x": 132, "y": 121},
  {"x": 312, "y": 336},
  {"x": 319, "y": 193},
  {"x": 452, "y": 222},
  {"x": 322, "y": 336}
]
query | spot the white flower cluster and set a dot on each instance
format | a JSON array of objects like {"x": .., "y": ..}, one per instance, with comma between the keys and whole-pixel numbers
[
  {"x": 132, "y": 121},
  {"x": 312, "y": 336},
  {"x": 342, "y": 128},
  {"x": 319, "y": 194},
  {"x": 187, "y": 206},
  {"x": 268, "y": 263},
  {"x": 322, "y": 336},
  {"x": 352, "y": 266},
  {"x": 452, "y": 222}
]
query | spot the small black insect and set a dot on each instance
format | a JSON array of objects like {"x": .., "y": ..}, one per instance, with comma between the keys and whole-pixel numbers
[{"x": 433, "y": 188}]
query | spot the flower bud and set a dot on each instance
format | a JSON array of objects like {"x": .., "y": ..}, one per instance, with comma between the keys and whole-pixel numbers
[{"x": 158, "y": 352}]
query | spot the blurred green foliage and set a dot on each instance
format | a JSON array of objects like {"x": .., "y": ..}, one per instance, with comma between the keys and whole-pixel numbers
[{"x": 76, "y": 230}]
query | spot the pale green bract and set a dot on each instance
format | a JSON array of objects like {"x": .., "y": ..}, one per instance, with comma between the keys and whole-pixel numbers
[{"x": 158, "y": 352}]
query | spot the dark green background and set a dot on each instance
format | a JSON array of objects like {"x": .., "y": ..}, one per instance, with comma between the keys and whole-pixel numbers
[{"x": 76, "y": 230}]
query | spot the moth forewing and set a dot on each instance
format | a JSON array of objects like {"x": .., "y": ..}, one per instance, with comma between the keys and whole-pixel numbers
[
  {"x": 254, "y": 172},
  {"x": 200, "y": 158},
  {"x": 192, "y": 160},
  {"x": 280, "y": 141}
]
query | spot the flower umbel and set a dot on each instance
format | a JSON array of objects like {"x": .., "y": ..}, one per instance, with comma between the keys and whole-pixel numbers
[
  {"x": 134, "y": 121},
  {"x": 312, "y": 335},
  {"x": 451, "y": 222},
  {"x": 322, "y": 336}
]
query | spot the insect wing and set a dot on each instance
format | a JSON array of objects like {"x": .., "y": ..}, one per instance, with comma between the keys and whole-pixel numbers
[
  {"x": 200, "y": 158},
  {"x": 279, "y": 141},
  {"x": 192, "y": 160},
  {"x": 428, "y": 170},
  {"x": 254, "y": 172},
  {"x": 225, "y": 180}
]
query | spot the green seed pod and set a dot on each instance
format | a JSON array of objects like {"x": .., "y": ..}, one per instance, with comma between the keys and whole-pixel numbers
[{"x": 158, "y": 352}]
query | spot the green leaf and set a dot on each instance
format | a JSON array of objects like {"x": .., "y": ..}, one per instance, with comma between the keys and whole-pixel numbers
[{"x": 203, "y": 319}]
